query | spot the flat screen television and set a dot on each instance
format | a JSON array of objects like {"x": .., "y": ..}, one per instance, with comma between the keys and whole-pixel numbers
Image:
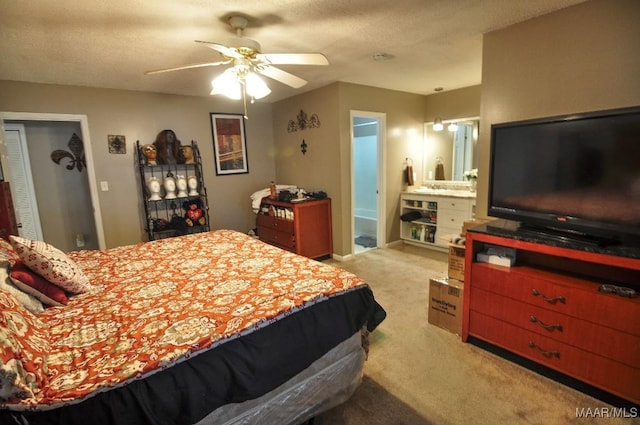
[{"x": 578, "y": 174}]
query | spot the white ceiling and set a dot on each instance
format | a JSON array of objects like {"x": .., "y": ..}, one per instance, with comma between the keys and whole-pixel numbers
[{"x": 110, "y": 43}]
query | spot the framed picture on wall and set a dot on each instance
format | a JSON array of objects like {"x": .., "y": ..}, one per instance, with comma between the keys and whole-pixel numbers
[{"x": 229, "y": 144}]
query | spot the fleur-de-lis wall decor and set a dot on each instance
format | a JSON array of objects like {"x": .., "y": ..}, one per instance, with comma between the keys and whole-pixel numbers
[
  {"x": 76, "y": 156},
  {"x": 302, "y": 122}
]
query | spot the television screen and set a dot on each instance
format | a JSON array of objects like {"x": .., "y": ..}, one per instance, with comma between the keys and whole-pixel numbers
[{"x": 579, "y": 173}]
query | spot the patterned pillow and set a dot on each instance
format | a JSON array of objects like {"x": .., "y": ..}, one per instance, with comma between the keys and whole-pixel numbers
[
  {"x": 52, "y": 264},
  {"x": 28, "y": 301},
  {"x": 8, "y": 255},
  {"x": 34, "y": 284},
  {"x": 23, "y": 347}
]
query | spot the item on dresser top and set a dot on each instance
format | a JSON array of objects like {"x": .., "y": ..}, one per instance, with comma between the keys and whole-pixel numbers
[
  {"x": 318, "y": 194},
  {"x": 285, "y": 196},
  {"x": 256, "y": 197},
  {"x": 272, "y": 191}
]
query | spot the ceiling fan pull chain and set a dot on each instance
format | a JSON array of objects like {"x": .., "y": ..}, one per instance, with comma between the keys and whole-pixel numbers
[{"x": 244, "y": 100}]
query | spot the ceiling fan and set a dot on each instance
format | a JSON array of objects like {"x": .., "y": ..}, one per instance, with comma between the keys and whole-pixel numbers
[{"x": 245, "y": 54}]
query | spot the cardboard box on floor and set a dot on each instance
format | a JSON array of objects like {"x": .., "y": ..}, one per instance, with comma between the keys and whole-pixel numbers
[
  {"x": 445, "y": 304},
  {"x": 456, "y": 262}
]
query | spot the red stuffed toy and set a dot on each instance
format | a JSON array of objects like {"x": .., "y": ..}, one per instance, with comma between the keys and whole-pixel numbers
[{"x": 194, "y": 215}]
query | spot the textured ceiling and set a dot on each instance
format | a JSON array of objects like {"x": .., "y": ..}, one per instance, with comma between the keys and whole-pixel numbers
[{"x": 98, "y": 43}]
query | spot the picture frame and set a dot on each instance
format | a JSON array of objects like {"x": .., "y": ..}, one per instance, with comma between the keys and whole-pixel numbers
[
  {"x": 117, "y": 143},
  {"x": 229, "y": 144}
]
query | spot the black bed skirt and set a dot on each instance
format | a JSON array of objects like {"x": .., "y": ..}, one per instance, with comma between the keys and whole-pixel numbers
[{"x": 239, "y": 370}]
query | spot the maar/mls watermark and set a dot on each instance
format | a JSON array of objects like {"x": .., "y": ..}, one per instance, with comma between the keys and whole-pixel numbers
[{"x": 606, "y": 412}]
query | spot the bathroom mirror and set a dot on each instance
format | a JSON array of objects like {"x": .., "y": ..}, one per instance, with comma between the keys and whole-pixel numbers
[{"x": 450, "y": 152}]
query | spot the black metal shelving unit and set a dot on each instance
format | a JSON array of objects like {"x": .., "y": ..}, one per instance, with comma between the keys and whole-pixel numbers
[{"x": 165, "y": 217}]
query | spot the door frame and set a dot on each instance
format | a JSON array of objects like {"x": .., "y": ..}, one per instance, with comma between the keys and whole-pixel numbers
[
  {"x": 88, "y": 153},
  {"x": 381, "y": 173}
]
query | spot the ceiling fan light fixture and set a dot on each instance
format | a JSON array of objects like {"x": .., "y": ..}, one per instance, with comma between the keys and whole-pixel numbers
[
  {"x": 227, "y": 84},
  {"x": 256, "y": 87}
]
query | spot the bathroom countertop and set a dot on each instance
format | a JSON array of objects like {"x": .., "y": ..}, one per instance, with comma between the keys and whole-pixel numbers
[{"x": 462, "y": 193}]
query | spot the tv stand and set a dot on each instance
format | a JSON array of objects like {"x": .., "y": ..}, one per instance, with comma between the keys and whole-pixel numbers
[{"x": 547, "y": 307}]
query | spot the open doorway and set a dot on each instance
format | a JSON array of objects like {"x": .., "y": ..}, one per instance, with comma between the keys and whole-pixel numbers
[
  {"x": 367, "y": 165},
  {"x": 63, "y": 204}
]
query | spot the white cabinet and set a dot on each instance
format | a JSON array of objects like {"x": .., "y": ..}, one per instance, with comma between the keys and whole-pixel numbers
[{"x": 436, "y": 217}]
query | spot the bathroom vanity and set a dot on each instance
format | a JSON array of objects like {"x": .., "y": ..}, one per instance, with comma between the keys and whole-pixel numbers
[{"x": 441, "y": 215}]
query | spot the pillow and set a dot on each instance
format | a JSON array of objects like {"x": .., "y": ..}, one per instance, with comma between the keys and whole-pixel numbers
[
  {"x": 28, "y": 301},
  {"x": 23, "y": 349},
  {"x": 8, "y": 255},
  {"x": 34, "y": 284},
  {"x": 51, "y": 263}
]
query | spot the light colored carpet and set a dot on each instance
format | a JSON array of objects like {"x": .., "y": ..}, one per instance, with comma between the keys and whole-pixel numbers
[{"x": 419, "y": 374}]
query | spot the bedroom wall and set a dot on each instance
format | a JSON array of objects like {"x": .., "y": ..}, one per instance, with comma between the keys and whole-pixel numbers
[
  {"x": 452, "y": 104},
  {"x": 140, "y": 116},
  {"x": 327, "y": 163},
  {"x": 582, "y": 58},
  {"x": 404, "y": 119}
]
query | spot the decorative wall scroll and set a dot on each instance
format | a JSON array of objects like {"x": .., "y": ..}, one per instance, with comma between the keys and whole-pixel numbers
[
  {"x": 76, "y": 156},
  {"x": 302, "y": 122}
]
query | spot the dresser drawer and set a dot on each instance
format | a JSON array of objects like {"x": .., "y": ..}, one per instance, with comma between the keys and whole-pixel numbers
[
  {"x": 574, "y": 297},
  {"x": 607, "y": 374},
  {"x": 453, "y": 205},
  {"x": 276, "y": 237},
  {"x": 274, "y": 223},
  {"x": 453, "y": 219},
  {"x": 607, "y": 342}
]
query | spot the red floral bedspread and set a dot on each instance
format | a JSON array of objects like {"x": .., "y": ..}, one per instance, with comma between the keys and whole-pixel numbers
[{"x": 156, "y": 304}]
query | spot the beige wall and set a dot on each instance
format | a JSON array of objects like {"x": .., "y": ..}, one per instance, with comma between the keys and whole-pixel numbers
[
  {"x": 63, "y": 197},
  {"x": 404, "y": 123},
  {"x": 453, "y": 104},
  {"x": 583, "y": 58},
  {"x": 327, "y": 163},
  {"x": 140, "y": 116}
]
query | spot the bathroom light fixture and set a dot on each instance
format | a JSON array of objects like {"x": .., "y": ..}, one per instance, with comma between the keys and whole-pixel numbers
[
  {"x": 437, "y": 124},
  {"x": 453, "y": 127}
]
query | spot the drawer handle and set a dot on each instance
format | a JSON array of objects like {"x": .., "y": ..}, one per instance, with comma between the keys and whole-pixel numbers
[
  {"x": 550, "y": 328},
  {"x": 547, "y": 354},
  {"x": 553, "y": 300}
]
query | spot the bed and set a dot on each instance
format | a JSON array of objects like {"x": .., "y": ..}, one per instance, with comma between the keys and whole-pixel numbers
[{"x": 209, "y": 328}]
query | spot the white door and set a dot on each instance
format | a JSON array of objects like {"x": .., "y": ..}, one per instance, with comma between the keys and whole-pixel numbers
[{"x": 17, "y": 170}]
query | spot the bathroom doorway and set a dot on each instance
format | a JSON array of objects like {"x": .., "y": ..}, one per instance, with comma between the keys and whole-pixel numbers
[{"x": 367, "y": 153}]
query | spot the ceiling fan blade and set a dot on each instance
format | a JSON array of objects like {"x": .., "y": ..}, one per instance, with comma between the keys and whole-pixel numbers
[
  {"x": 294, "y": 58},
  {"x": 224, "y": 50},
  {"x": 190, "y": 66},
  {"x": 282, "y": 76}
]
